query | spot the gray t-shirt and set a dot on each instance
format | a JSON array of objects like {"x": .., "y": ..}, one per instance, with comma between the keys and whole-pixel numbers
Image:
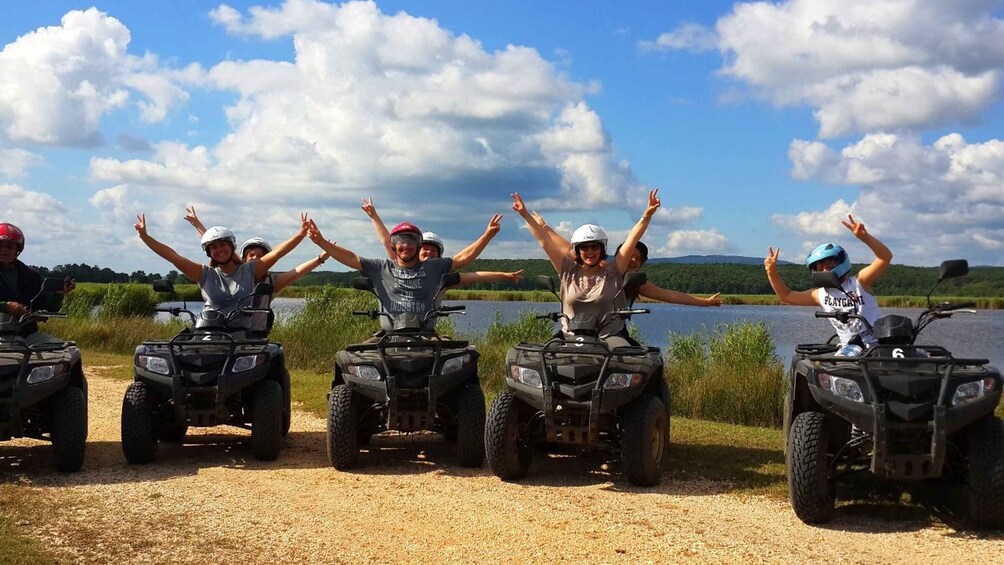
[
  {"x": 222, "y": 291},
  {"x": 405, "y": 289},
  {"x": 585, "y": 296}
]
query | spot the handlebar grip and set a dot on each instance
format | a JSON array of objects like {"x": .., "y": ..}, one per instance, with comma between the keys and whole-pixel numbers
[
  {"x": 821, "y": 314},
  {"x": 968, "y": 304},
  {"x": 543, "y": 316},
  {"x": 452, "y": 308},
  {"x": 360, "y": 313}
]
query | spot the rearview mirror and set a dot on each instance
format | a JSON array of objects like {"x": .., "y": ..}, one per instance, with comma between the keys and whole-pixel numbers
[
  {"x": 545, "y": 282},
  {"x": 634, "y": 280},
  {"x": 953, "y": 268},
  {"x": 362, "y": 283},
  {"x": 825, "y": 279},
  {"x": 163, "y": 285},
  {"x": 52, "y": 284},
  {"x": 263, "y": 289},
  {"x": 450, "y": 279}
]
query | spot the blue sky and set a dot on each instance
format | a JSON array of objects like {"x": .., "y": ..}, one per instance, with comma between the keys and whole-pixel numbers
[{"x": 762, "y": 124}]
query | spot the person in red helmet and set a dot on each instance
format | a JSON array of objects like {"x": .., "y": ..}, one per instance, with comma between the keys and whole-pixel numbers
[{"x": 20, "y": 284}]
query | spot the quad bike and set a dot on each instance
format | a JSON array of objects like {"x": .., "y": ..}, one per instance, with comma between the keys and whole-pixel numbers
[
  {"x": 43, "y": 391},
  {"x": 210, "y": 374},
  {"x": 901, "y": 410},
  {"x": 407, "y": 379},
  {"x": 576, "y": 392}
]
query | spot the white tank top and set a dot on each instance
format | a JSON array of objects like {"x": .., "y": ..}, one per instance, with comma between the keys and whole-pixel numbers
[{"x": 832, "y": 300}]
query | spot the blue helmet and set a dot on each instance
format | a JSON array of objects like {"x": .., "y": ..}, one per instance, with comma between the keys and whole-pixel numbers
[{"x": 826, "y": 251}]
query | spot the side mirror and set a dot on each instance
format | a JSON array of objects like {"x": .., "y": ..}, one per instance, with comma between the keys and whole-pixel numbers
[
  {"x": 633, "y": 281},
  {"x": 953, "y": 268},
  {"x": 263, "y": 289},
  {"x": 545, "y": 282},
  {"x": 52, "y": 284},
  {"x": 450, "y": 279},
  {"x": 825, "y": 279},
  {"x": 163, "y": 285},
  {"x": 362, "y": 283}
]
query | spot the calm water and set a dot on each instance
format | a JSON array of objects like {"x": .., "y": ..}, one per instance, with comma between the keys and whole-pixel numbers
[{"x": 966, "y": 335}]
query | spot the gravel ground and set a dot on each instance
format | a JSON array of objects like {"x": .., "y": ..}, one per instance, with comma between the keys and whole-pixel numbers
[{"x": 209, "y": 501}]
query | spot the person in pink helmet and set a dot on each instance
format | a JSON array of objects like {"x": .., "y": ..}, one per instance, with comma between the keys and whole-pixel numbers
[{"x": 20, "y": 285}]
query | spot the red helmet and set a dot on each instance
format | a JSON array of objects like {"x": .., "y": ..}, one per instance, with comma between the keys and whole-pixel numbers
[
  {"x": 10, "y": 232},
  {"x": 405, "y": 227}
]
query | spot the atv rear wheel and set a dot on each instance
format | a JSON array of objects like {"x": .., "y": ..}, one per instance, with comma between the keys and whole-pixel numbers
[
  {"x": 985, "y": 474},
  {"x": 643, "y": 442},
  {"x": 471, "y": 426},
  {"x": 508, "y": 451},
  {"x": 139, "y": 443},
  {"x": 810, "y": 485},
  {"x": 68, "y": 417},
  {"x": 343, "y": 428},
  {"x": 266, "y": 421}
]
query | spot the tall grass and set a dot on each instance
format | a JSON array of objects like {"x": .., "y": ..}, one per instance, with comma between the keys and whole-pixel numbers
[
  {"x": 499, "y": 338},
  {"x": 731, "y": 374},
  {"x": 324, "y": 326}
]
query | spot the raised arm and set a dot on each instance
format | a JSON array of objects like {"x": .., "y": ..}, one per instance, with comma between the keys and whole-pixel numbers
[
  {"x": 187, "y": 267},
  {"x": 489, "y": 276},
  {"x": 554, "y": 252},
  {"x": 788, "y": 296},
  {"x": 193, "y": 219},
  {"x": 282, "y": 280},
  {"x": 471, "y": 252},
  {"x": 634, "y": 236},
  {"x": 649, "y": 290},
  {"x": 555, "y": 237},
  {"x": 883, "y": 256},
  {"x": 379, "y": 227},
  {"x": 266, "y": 262},
  {"x": 340, "y": 254}
]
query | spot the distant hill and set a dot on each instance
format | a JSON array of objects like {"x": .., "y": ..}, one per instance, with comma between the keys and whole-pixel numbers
[{"x": 712, "y": 259}]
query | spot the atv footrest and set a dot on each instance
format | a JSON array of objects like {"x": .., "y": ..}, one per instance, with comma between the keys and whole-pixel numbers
[
  {"x": 568, "y": 435},
  {"x": 411, "y": 421}
]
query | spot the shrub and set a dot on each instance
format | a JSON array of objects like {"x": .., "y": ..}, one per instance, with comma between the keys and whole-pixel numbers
[
  {"x": 125, "y": 300},
  {"x": 81, "y": 302},
  {"x": 499, "y": 338}
]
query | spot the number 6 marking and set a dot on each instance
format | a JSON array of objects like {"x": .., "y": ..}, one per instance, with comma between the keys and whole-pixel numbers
[{"x": 898, "y": 353}]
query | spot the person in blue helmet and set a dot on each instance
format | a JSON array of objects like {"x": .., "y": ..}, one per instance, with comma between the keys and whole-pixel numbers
[{"x": 858, "y": 293}]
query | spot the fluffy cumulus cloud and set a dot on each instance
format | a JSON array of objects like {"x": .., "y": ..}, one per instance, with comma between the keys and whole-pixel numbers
[
  {"x": 694, "y": 242},
  {"x": 16, "y": 162},
  {"x": 927, "y": 202},
  {"x": 59, "y": 81},
  {"x": 862, "y": 65}
]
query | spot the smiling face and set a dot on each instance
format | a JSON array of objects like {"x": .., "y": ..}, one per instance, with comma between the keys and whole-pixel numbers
[
  {"x": 254, "y": 252},
  {"x": 406, "y": 247},
  {"x": 590, "y": 253},
  {"x": 428, "y": 251},
  {"x": 635, "y": 262},
  {"x": 221, "y": 251},
  {"x": 8, "y": 252}
]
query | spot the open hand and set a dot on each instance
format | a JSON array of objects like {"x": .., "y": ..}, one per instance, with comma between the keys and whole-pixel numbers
[
  {"x": 770, "y": 263},
  {"x": 368, "y": 207},
  {"x": 857, "y": 228},
  {"x": 140, "y": 225}
]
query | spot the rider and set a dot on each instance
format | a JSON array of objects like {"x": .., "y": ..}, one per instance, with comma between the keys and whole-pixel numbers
[
  {"x": 226, "y": 278},
  {"x": 20, "y": 285},
  {"x": 256, "y": 248},
  {"x": 855, "y": 294},
  {"x": 589, "y": 283}
]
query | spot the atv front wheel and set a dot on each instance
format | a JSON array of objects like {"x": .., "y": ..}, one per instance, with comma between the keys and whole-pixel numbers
[
  {"x": 810, "y": 485},
  {"x": 266, "y": 421},
  {"x": 507, "y": 449},
  {"x": 643, "y": 443},
  {"x": 985, "y": 473},
  {"x": 139, "y": 444},
  {"x": 343, "y": 428},
  {"x": 471, "y": 426},
  {"x": 68, "y": 417}
]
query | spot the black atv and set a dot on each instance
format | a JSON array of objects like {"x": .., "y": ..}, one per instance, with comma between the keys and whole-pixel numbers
[
  {"x": 577, "y": 392},
  {"x": 407, "y": 379},
  {"x": 900, "y": 411},
  {"x": 43, "y": 392},
  {"x": 208, "y": 375}
]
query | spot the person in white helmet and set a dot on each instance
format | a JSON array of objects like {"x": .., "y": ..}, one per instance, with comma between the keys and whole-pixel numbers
[
  {"x": 226, "y": 278},
  {"x": 256, "y": 248},
  {"x": 432, "y": 244},
  {"x": 589, "y": 282}
]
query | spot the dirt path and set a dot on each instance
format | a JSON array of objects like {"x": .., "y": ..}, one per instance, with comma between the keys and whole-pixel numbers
[{"x": 209, "y": 501}]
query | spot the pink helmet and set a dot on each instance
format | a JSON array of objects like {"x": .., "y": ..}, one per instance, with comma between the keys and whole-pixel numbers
[{"x": 10, "y": 232}]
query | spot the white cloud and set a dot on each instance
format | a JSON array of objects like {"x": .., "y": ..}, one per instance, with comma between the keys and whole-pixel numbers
[
  {"x": 16, "y": 162},
  {"x": 694, "y": 242},
  {"x": 689, "y": 37},
  {"x": 926, "y": 202},
  {"x": 863, "y": 65},
  {"x": 59, "y": 81}
]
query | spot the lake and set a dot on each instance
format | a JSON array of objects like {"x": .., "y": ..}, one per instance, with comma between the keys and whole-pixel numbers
[{"x": 965, "y": 335}]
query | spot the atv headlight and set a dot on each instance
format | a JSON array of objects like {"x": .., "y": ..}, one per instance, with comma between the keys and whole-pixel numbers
[
  {"x": 456, "y": 363},
  {"x": 529, "y": 377},
  {"x": 622, "y": 380},
  {"x": 157, "y": 365},
  {"x": 844, "y": 388},
  {"x": 970, "y": 392},
  {"x": 368, "y": 372},
  {"x": 41, "y": 374},
  {"x": 246, "y": 363}
]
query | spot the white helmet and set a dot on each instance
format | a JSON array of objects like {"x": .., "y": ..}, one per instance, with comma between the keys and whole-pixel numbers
[
  {"x": 217, "y": 233},
  {"x": 430, "y": 237},
  {"x": 255, "y": 242},
  {"x": 589, "y": 233}
]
